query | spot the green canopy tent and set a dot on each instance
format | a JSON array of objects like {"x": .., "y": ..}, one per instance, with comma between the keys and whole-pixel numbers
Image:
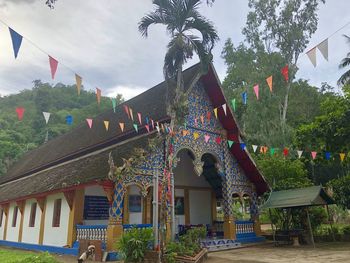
[{"x": 298, "y": 198}]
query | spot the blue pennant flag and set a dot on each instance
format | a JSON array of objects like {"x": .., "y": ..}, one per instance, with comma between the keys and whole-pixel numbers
[
  {"x": 328, "y": 155},
  {"x": 16, "y": 41},
  {"x": 244, "y": 97},
  {"x": 147, "y": 120},
  {"x": 243, "y": 145},
  {"x": 69, "y": 119}
]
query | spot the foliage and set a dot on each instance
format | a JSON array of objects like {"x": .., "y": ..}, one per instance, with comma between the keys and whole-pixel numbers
[
  {"x": 345, "y": 77},
  {"x": 17, "y": 137},
  {"x": 346, "y": 230},
  {"x": 341, "y": 191},
  {"x": 283, "y": 173},
  {"x": 15, "y": 256},
  {"x": 134, "y": 243}
]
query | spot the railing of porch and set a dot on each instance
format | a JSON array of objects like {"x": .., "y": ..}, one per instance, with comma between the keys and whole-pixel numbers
[
  {"x": 244, "y": 227},
  {"x": 92, "y": 232}
]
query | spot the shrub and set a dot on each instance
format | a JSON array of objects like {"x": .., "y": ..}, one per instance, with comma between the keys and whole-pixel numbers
[
  {"x": 40, "y": 258},
  {"x": 134, "y": 243},
  {"x": 346, "y": 230}
]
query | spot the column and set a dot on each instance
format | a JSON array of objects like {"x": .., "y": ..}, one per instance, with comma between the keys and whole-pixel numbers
[
  {"x": 42, "y": 204},
  {"x": 21, "y": 206},
  {"x": 6, "y": 212},
  {"x": 115, "y": 223},
  {"x": 254, "y": 213},
  {"x": 75, "y": 214}
]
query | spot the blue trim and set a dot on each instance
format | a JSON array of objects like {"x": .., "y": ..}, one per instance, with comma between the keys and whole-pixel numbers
[
  {"x": 36, "y": 247},
  {"x": 91, "y": 226}
]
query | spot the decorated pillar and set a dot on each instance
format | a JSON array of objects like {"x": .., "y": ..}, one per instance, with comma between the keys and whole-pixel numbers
[
  {"x": 254, "y": 213},
  {"x": 115, "y": 223}
]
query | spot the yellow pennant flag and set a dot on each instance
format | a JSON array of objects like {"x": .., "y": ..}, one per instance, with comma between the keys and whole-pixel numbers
[
  {"x": 121, "y": 124},
  {"x": 342, "y": 156},
  {"x": 269, "y": 82},
  {"x": 106, "y": 124},
  {"x": 216, "y": 112},
  {"x": 78, "y": 81},
  {"x": 195, "y": 135}
]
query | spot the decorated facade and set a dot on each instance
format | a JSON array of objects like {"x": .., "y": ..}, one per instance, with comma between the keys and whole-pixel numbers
[{"x": 87, "y": 185}]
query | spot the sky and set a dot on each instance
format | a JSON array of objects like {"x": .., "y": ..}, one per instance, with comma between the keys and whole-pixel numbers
[{"x": 99, "y": 40}]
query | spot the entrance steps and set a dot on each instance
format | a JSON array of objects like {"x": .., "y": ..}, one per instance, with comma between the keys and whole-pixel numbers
[{"x": 220, "y": 244}]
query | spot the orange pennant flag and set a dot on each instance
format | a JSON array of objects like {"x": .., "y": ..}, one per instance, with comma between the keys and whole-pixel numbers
[
  {"x": 269, "y": 82},
  {"x": 106, "y": 124},
  {"x": 195, "y": 135},
  {"x": 98, "y": 95},
  {"x": 202, "y": 119},
  {"x": 342, "y": 156},
  {"x": 216, "y": 112},
  {"x": 122, "y": 124}
]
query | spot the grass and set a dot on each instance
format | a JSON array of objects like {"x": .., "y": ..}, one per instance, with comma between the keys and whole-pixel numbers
[{"x": 19, "y": 256}]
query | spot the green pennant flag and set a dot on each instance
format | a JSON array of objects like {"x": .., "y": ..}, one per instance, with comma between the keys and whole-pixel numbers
[
  {"x": 272, "y": 151},
  {"x": 135, "y": 127},
  {"x": 233, "y": 102},
  {"x": 230, "y": 143}
]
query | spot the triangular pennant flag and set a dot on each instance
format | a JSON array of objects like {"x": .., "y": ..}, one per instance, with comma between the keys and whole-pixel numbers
[
  {"x": 195, "y": 122},
  {"x": 202, "y": 119},
  {"x": 299, "y": 153},
  {"x": 342, "y": 156},
  {"x": 327, "y": 155},
  {"x": 269, "y": 82},
  {"x": 53, "y": 66},
  {"x": 131, "y": 114},
  {"x": 162, "y": 127},
  {"x": 158, "y": 129},
  {"x": 224, "y": 108},
  {"x": 206, "y": 138},
  {"x": 195, "y": 135},
  {"x": 106, "y": 123},
  {"x": 122, "y": 125},
  {"x": 69, "y": 119},
  {"x": 147, "y": 127},
  {"x": 218, "y": 140},
  {"x": 46, "y": 116},
  {"x": 216, "y": 112},
  {"x": 272, "y": 151},
  {"x": 233, "y": 102},
  {"x": 230, "y": 143},
  {"x": 313, "y": 155},
  {"x": 152, "y": 124},
  {"x": 184, "y": 132},
  {"x": 323, "y": 48},
  {"x": 208, "y": 116},
  {"x": 284, "y": 72},
  {"x": 244, "y": 97},
  {"x": 312, "y": 56},
  {"x": 265, "y": 149},
  {"x": 78, "y": 81},
  {"x": 254, "y": 147},
  {"x": 98, "y": 96},
  {"x": 135, "y": 127},
  {"x": 89, "y": 121},
  {"x": 114, "y": 103},
  {"x": 256, "y": 90},
  {"x": 285, "y": 152},
  {"x": 20, "y": 112},
  {"x": 16, "y": 41},
  {"x": 126, "y": 109},
  {"x": 140, "y": 119},
  {"x": 242, "y": 145}
]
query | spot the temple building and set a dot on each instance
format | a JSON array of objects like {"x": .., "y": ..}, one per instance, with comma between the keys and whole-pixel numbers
[{"x": 65, "y": 190}]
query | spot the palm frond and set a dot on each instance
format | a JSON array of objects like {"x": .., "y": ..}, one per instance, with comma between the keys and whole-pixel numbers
[
  {"x": 345, "y": 62},
  {"x": 344, "y": 79}
]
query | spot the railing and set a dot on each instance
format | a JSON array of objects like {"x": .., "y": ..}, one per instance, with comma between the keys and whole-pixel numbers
[
  {"x": 92, "y": 232},
  {"x": 244, "y": 228},
  {"x": 127, "y": 227}
]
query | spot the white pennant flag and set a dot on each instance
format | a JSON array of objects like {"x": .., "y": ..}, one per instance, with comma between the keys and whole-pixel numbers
[
  {"x": 255, "y": 147},
  {"x": 158, "y": 129},
  {"x": 323, "y": 48},
  {"x": 299, "y": 153},
  {"x": 312, "y": 56},
  {"x": 46, "y": 116},
  {"x": 224, "y": 108}
]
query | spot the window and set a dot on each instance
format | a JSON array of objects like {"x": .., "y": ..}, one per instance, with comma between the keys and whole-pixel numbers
[
  {"x": 14, "y": 217},
  {"x": 1, "y": 215},
  {"x": 32, "y": 215},
  {"x": 56, "y": 213}
]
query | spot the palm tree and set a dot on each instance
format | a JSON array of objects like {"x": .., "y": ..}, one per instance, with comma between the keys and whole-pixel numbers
[
  {"x": 182, "y": 19},
  {"x": 345, "y": 78}
]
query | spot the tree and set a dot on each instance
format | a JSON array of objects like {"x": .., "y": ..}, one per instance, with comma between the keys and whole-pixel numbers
[
  {"x": 341, "y": 191},
  {"x": 283, "y": 26},
  {"x": 345, "y": 78}
]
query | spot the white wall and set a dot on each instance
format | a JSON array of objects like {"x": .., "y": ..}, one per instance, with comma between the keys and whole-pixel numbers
[
  {"x": 135, "y": 217},
  {"x": 179, "y": 219},
  {"x": 200, "y": 207},
  {"x": 2, "y": 227},
  {"x": 95, "y": 190},
  {"x": 31, "y": 234},
  {"x": 56, "y": 236},
  {"x": 12, "y": 232}
]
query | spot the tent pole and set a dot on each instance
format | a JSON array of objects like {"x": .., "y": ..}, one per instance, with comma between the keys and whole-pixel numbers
[
  {"x": 273, "y": 231},
  {"x": 310, "y": 227},
  {"x": 330, "y": 222}
]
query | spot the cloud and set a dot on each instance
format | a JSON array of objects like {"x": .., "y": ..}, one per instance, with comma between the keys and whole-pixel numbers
[{"x": 127, "y": 91}]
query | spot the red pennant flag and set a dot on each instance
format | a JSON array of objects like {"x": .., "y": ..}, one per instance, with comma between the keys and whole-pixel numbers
[
  {"x": 126, "y": 109},
  {"x": 89, "y": 121},
  {"x": 206, "y": 138},
  {"x": 218, "y": 140},
  {"x": 284, "y": 72},
  {"x": 256, "y": 90},
  {"x": 202, "y": 119},
  {"x": 53, "y": 66},
  {"x": 139, "y": 115},
  {"x": 20, "y": 112},
  {"x": 98, "y": 95},
  {"x": 313, "y": 155},
  {"x": 208, "y": 115},
  {"x": 285, "y": 152},
  {"x": 147, "y": 127}
]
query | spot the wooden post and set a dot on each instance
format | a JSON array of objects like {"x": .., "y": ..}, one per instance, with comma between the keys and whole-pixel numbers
[
  {"x": 126, "y": 206},
  {"x": 310, "y": 227},
  {"x": 75, "y": 214},
  {"x": 187, "y": 206},
  {"x": 273, "y": 231},
  {"x": 21, "y": 207},
  {"x": 42, "y": 204},
  {"x": 229, "y": 228},
  {"x": 6, "y": 211}
]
